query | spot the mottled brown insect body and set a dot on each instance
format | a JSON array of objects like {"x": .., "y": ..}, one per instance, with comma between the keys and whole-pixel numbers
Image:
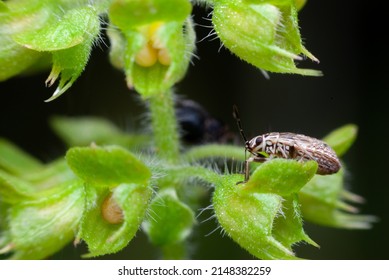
[
  {"x": 294, "y": 146},
  {"x": 289, "y": 146}
]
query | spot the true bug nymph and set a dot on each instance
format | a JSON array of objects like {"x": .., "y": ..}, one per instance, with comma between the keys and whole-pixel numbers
[{"x": 290, "y": 146}]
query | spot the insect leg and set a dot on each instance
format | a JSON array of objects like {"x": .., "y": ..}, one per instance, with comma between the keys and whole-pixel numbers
[
  {"x": 283, "y": 150},
  {"x": 256, "y": 158},
  {"x": 246, "y": 170}
]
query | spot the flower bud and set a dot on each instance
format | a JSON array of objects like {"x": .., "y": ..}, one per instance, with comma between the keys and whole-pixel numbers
[
  {"x": 40, "y": 226},
  {"x": 34, "y": 29},
  {"x": 265, "y": 224},
  {"x": 263, "y": 33},
  {"x": 153, "y": 45},
  {"x": 117, "y": 195}
]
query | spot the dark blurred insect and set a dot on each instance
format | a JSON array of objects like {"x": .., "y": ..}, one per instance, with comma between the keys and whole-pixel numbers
[
  {"x": 290, "y": 146},
  {"x": 200, "y": 127}
]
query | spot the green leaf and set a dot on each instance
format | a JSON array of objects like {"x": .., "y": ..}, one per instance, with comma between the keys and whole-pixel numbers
[
  {"x": 170, "y": 221},
  {"x": 263, "y": 33},
  {"x": 102, "y": 236},
  {"x": 42, "y": 226},
  {"x": 281, "y": 176},
  {"x": 342, "y": 138},
  {"x": 82, "y": 131},
  {"x": 107, "y": 167}
]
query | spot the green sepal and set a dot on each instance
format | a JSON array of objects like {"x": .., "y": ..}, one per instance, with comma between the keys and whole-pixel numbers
[
  {"x": 107, "y": 166},
  {"x": 342, "y": 138},
  {"x": 170, "y": 220},
  {"x": 53, "y": 174},
  {"x": 14, "y": 189},
  {"x": 42, "y": 226},
  {"x": 300, "y": 4},
  {"x": 16, "y": 161},
  {"x": 103, "y": 237},
  {"x": 288, "y": 226},
  {"x": 61, "y": 32},
  {"x": 265, "y": 35},
  {"x": 69, "y": 64},
  {"x": 118, "y": 46},
  {"x": 34, "y": 31},
  {"x": 24, "y": 176},
  {"x": 148, "y": 81},
  {"x": 249, "y": 219},
  {"x": 14, "y": 59},
  {"x": 68, "y": 35},
  {"x": 281, "y": 176},
  {"x": 5, "y": 238},
  {"x": 324, "y": 201},
  {"x": 16, "y": 17},
  {"x": 82, "y": 131}
]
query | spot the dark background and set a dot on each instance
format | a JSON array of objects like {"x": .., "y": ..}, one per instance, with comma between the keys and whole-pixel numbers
[{"x": 347, "y": 39}]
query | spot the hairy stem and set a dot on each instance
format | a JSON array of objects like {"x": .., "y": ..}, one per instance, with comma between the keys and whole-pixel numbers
[
  {"x": 214, "y": 151},
  {"x": 164, "y": 126}
]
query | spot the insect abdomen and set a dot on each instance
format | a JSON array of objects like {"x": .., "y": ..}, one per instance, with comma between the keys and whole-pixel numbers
[
  {"x": 327, "y": 165},
  {"x": 324, "y": 155}
]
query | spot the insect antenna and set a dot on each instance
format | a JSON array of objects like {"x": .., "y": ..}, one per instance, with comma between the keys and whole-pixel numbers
[{"x": 235, "y": 114}]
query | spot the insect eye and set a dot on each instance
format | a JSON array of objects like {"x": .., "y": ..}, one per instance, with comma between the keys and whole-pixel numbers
[{"x": 258, "y": 140}]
